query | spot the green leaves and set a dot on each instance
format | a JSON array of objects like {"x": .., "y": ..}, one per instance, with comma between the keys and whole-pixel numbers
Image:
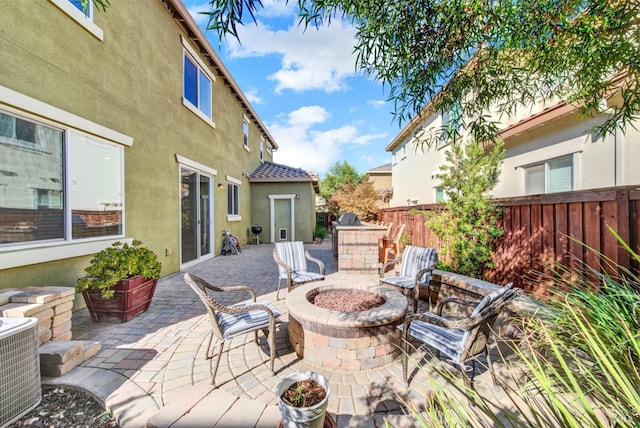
[
  {"x": 119, "y": 261},
  {"x": 485, "y": 56},
  {"x": 467, "y": 226}
]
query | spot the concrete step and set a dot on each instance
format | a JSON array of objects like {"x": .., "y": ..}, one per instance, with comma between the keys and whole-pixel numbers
[{"x": 58, "y": 358}]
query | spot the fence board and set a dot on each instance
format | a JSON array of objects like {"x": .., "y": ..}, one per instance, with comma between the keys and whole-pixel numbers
[{"x": 537, "y": 231}]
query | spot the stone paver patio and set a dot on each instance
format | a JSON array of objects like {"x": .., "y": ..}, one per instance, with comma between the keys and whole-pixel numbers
[{"x": 152, "y": 370}]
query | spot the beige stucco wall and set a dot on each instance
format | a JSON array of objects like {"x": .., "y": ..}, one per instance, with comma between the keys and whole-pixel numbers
[
  {"x": 413, "y": 176},
  {"x": 130, "y": 82},
  {"x": 595, "y": 164},
  {"x": 598, "y": 161}
]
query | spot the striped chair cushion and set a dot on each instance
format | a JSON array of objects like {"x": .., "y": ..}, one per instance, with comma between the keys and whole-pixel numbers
[
  {"x": 486, "y": 301},
  {"x": 235, "y": 324},
  {"x": 491, "y": 297},
  {"x": 415, "y": 259},
  {"x": 400, "y": 281},
  {"x": 292, "y": 253},
  {"x": 445, "y": 340},
  {"x": 302, "y": 277}
]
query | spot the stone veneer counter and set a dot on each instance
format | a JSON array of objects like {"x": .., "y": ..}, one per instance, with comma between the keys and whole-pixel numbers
[{"x": 345, "y": 340}]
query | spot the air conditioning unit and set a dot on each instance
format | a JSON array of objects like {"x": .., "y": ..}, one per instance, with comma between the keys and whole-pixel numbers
[{"x": 19, "y": 368}]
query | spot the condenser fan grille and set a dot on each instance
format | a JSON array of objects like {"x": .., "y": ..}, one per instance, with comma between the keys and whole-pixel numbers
[{"x": 19, "y": 368}]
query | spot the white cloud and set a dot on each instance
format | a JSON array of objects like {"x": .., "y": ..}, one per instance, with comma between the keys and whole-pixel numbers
[
  {"x": 195, "y": 10},
  {"x": 302, "y": 144},
  {"x": 376, "y": 103},
  {"x": 253, "y": 97},
  {"x": 318, "y": 59},
  {"x": 276, "y": 8}
]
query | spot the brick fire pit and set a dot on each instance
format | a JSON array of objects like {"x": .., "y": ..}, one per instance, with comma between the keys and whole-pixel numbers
[{"x": 343, "y": 340}]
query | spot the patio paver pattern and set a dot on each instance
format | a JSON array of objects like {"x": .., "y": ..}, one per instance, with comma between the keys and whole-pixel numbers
[{"x": 152, "y": 370}]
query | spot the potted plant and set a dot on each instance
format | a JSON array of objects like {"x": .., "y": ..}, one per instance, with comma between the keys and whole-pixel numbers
[
  {"x": 302, "y": 399},
  {"x": 120, "y": 281}
]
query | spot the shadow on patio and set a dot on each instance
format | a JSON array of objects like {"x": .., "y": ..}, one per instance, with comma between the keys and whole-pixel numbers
[{"x": 154, "y": 366}]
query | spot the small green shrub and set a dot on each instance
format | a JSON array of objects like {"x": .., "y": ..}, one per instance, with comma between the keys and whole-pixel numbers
[
  {"x": 321, "y": 232},
  {"x": 119, "y": 261}
]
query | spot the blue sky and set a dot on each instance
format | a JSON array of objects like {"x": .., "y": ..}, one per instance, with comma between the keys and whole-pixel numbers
[{"x": 304, "y": 87}]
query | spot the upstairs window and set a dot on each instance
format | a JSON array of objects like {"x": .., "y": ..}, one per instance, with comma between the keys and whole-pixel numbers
[
  {"x": 82, "y": 16},
  {"x": 197, "y": 92},
  {"x": 261, "y": 150},
  {"x": 245, "y": 133},
  {"x": 78, "y": 5},
  {"x": 197, "y": 86},
  {"x": 555, "y": 175}
]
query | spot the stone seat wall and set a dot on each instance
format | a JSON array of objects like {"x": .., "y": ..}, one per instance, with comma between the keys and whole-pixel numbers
[{"x": 50, "y": 305}]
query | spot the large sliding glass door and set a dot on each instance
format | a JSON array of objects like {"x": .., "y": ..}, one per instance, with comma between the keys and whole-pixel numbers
[{"x": 195, "y": 214}]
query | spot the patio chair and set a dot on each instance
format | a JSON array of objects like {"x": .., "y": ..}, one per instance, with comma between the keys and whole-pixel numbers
[
  {"x": 228, "y": 322},
  {"x": 416, "y": 265},
  {"x": 460, "y": 340},
  {"x": 291, "y": 258},
  {"x": 390, "y": 243}
]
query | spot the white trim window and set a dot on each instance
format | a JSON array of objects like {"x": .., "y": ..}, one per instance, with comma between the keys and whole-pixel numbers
[
  {"x": 88, "y": 12},
  {"x": 197, "y": 84},
  {"x": 261, "y": 149},
  {"x": 441, "y": 195},
  {"x": 551, "y": 176},
  {"x": 233, "y": 199},
  {"x": 245, "y": 133},
  {"x": 75, "y": 10},
  {"x": 57, "y": 184}
]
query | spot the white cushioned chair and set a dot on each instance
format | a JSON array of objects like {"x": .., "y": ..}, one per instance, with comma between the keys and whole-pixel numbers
[
  {"x": 416, "y": 266},
  {"x": 459, "y": 340},
  {"x": 291, "y": 258},
  {"x": 228, "y": 322}
]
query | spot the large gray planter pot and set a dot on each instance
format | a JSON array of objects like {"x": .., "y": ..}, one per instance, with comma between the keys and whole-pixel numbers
[{"x": 303, "y": 417}]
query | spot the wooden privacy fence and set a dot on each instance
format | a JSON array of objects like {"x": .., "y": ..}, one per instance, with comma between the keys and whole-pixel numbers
[{"x": 539, "y": 231}]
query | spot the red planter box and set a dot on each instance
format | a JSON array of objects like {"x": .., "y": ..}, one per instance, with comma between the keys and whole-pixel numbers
[{"x": 132, "y": 297}]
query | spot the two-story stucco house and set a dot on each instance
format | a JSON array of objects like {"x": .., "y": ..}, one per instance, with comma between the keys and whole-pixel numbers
[
  {"x": 118, "y": 126},
  {"x": 549, "y": 148}
]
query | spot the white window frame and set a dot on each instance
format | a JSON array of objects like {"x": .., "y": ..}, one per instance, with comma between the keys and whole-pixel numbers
[
  {"x": 202, "y": 67},
  {"x": 445, "y": 195},
  {"x": 261, "y": 149},
  {"x": 235, "y": 184},
  {"x": 85, "y": 21},
  {"x": 245, "y": 133},
  {"x": 545, "y": 163},
  {"x": 42, "y": 252}
]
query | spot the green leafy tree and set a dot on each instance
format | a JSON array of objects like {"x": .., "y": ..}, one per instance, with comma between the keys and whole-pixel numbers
[
  {"x": 479, "y": 56},
  {"x": 467, "y": 227},
  {"x": 362, "y": 199},
  {"x": 340, "y": 174}
]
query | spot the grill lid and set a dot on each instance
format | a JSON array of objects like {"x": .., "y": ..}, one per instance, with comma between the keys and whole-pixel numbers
[{"x": 349, "y": 219}]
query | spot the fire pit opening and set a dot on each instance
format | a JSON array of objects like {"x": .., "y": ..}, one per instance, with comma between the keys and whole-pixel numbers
[{"x": 346, "y": 300}]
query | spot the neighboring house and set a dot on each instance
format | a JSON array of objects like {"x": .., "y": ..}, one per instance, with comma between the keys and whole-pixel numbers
[
  {"x": 284, "y": 202},
  {"x": 548, "y": 149},
  {"x": 124, "y": 126},
  {"x": 380, "y": 178}
]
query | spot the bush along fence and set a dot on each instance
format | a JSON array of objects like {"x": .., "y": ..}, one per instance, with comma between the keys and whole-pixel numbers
[{"x": 571, "y": 229}]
